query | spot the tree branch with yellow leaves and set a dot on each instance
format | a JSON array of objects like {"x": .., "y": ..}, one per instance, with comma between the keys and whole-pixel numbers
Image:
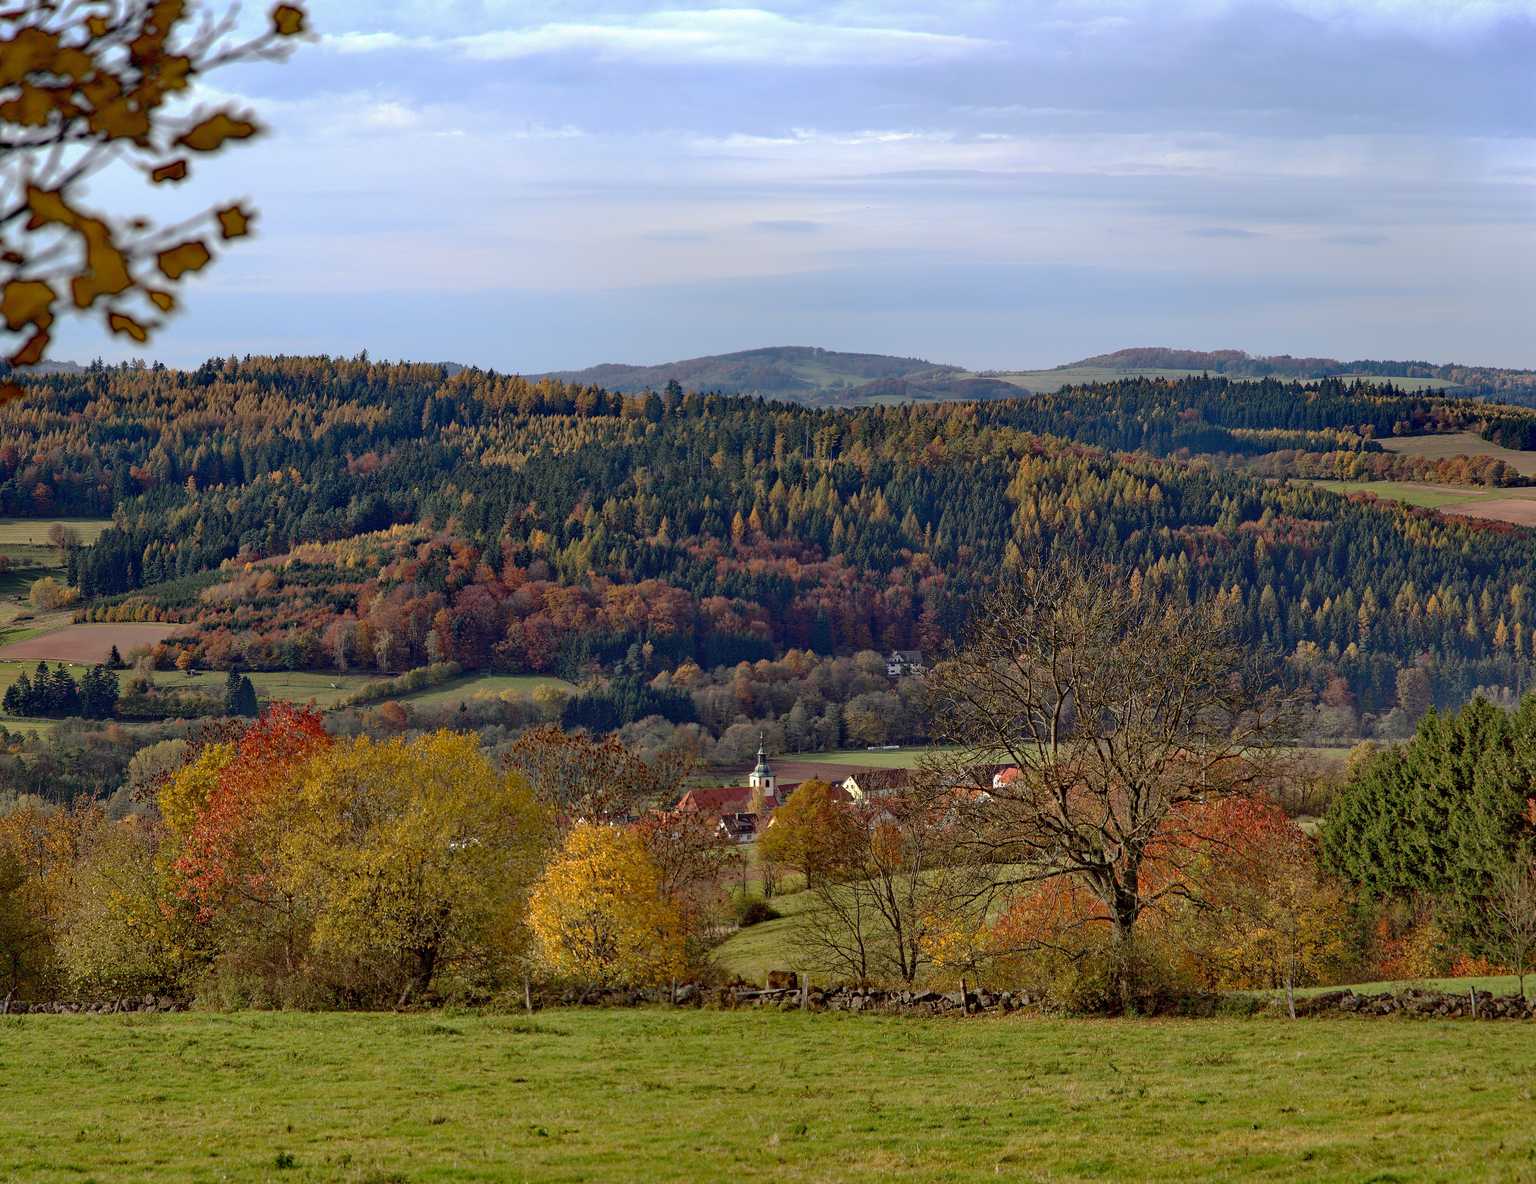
[{"x": 88, "y": 85}]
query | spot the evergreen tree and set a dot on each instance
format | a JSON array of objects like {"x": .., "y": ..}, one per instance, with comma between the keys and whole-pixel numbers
[
  {"x": 245, "y": 701},
  {"x": 98, "y": 693},
  {"x": 232, "y": 693}
]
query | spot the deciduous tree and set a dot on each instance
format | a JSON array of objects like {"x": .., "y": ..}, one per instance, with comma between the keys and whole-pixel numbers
[
  {"x": 1117, "y": 709},
  {"x": 415, "y": 859},
  {"x": 599, "y": 914}
]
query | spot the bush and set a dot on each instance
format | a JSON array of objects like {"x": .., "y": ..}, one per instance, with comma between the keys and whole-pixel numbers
[
  {"x": 754, "y": 910},
  {"x": 418, "y": 679}
]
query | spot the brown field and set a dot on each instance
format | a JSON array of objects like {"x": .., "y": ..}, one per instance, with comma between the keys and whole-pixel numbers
[
  {"x": 1461, "y": 444},
  {"x": 87, "y": 643},
  {"x": 1516, "y": 509}
]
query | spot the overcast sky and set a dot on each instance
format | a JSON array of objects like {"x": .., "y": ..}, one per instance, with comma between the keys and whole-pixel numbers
[{"x": 533, "y": 184}]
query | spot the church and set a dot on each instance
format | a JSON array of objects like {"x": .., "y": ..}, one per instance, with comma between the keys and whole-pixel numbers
[{"x": 742, "y": 809}]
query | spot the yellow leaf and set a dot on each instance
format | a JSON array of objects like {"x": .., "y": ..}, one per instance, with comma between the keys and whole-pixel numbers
[
  {"x": 164, "y": 301},
  {"x": 234, "y": 222},
  {"x": 127, "y": 326},
  {"x": 177, "y": 261},
  {"x": 48, "y": 206},
  {"x": 32, "y": 353},
  {"x": 211, "y": 133},
  {"x": 27, "y": 302},
  {"x": 288, "y": 20},
  {"x": 31, "y": 49},
  {"x": 32, "y": 108},
  {"x": 176, "y": 170}
]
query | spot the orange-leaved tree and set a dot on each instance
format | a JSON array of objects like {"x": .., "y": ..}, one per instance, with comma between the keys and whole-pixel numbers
[
  {"x": 1259, "y": 910},
  {"x": 86, "y": 85},
  {"x": 227, "y": 811}
]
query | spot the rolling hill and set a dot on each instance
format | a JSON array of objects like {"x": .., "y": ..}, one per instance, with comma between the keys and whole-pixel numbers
[
  {"x": 804, "y": 374},
  {"x": 830, "y": 378},
  {"x": 1161, "y": 362}
]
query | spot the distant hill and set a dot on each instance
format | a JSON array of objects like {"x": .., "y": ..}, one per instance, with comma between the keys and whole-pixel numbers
[
  {"x": 1237, "y": 363},
  {"x": 830, "y": 378},
  {"x": 821, "y": 377}
]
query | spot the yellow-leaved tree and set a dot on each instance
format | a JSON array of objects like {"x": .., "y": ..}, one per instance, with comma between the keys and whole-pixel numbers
[
  {"x": 416, "y": 858},
  {"x": 599, "y": 914}
]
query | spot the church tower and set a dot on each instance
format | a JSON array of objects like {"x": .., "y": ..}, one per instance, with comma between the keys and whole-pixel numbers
[{"x": 762, "y": 777}]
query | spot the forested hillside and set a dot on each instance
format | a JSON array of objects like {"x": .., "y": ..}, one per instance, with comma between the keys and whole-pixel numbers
[
  {"x": 800, "y": 373},
  {"x": 339, "y": 514},
  {"x": 1483, "y": 380}
]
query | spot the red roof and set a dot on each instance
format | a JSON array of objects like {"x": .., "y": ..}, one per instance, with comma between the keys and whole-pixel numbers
[
  {"x": 726, "y": 799},
  {"x": 719, "y": 799}
]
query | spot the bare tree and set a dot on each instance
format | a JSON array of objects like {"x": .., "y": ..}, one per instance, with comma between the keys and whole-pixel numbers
[
  {"x": 1511, "y": 909},
  {"x": 585, "y": 779},
  {"x": 903, "y": 880},
  {"x": 1116, "y": 710}
]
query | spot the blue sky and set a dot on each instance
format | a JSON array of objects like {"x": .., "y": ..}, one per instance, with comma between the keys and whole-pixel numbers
[{"x": 535, "y": 184}]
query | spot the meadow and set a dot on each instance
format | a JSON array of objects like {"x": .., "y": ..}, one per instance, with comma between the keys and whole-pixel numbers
[
  {"x": 1516, "y": 505},
  {"x": 1439, "y": 447},
  {"x": 474, "y": 686},
  {"x": 660, "y": 1095}
]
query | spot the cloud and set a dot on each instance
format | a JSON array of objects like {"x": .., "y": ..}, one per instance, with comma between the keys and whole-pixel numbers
[
  {"x": 675, "y": 236},
  {"x": 1222, "y": 232},
  {"x": 787, "y": 226},
  {"x": 1357, "y": 240},
  {"x": 729, "y": 36}
]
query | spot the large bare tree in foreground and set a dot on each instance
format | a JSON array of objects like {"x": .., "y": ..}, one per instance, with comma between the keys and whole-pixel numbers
[{"x": 1121, "y": 714}]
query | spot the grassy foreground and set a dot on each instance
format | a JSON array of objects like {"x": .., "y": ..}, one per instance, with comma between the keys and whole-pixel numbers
[{"x": 704, "y": 1096}]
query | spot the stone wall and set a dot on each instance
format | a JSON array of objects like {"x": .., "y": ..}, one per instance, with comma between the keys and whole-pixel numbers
[
  {"x": 1416, "y": 1002},
  {"x": 122, "y": 1004}
]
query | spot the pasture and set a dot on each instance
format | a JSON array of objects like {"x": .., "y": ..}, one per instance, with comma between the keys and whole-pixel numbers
[
  {"x": 295, "y": 686},
  {"x": 662, "y": 1095},
  {"x": 1516, "y": 506},
  {"x": 1461, "y": 444},
  {"x": 87, "y": 643},
  {"x": 33, "y": 532},
  {"x": 477, "y": 686}
]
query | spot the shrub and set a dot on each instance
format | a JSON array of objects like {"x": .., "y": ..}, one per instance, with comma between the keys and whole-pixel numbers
[{"x": 754, "y": 910}]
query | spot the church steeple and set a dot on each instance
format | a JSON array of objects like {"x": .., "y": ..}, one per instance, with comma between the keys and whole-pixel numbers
[{"x": 762, "y": 777}]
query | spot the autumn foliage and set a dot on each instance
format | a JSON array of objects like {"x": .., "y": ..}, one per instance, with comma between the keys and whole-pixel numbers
[{"x": 599, "y": 915}]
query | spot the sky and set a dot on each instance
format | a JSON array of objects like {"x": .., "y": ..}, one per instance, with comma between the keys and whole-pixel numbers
[{"x": 543, "y": 184}]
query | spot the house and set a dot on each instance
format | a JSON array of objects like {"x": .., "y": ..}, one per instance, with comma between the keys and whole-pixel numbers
[
  {"x": 970, "y": 783},
  {"x": 899, "y": 663},
  {"x": 875, "y": 783}
]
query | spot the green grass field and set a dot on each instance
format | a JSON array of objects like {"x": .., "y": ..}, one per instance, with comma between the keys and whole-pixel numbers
[
  {"x": 1433, "y": 497},
  {"x": 901, "y": 758},
  {"x": 34, "y": 531},
  {"x": 662, "y": 1095},
  {"x": 295, "y": 686},
  {"x": 477, "y": 685},
  {"x": 1461, "y": 444}
]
